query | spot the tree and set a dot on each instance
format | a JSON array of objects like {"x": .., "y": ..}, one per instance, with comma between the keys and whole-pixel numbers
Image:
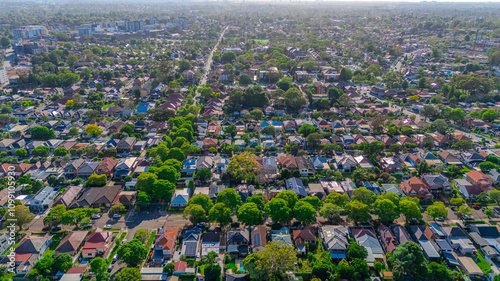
[
  {"x": 465, "y": 210},
  {"x": 457, "y": 115},
  {"x": 21, "y": 152},
  {"x": 330, "y": 211},
  {"x": 285, "y": 83},
  {"x": 242, "y": 165},
  {"x": 410, "y": 209},
  {"x": 99, "y": 267},
  {"x": 128, "y": 274},
  {"x": 314, "y": 140},
  {"x": 494, "y": 195},
  {"x": 142, "y": 235},
  {"x": 357, "y": 211},
  {"x": 440, "y": 125},
  {"x": 457, "y": 202},
  {"x": 313, "y": 200},
  {"x": 194, "y": 213},
  {"x": 356, "y": 251},
  {"x": 132, "y": 253},
  {"x": 97, "y": 180},
  {"x": 44, "y": 266},
  {"x": 304, "y": 212},
  {"x": 488, "y": 213},
  {"x": 77, "y": 216},
  {"x": 228, "y": 57},
  {"x": 463, "y": 145},
  {"x": 203, "y": 200},
  {"x": 489, "y": 115},
  {"x": 145, "y": 182},
  {"x": 274, "y": 260},
  {"x": 245, "y": 79},
  {"x": 258, "y": 199},
  {"x": 73, "y": 131},
  {"x": 437, "y": 210},
  {"x": 345, "y": 74},
  {"x": 5, "y": 42},
  {"x": 203, "y": 174},
  {"x": 212, "y": 272},
  {"x": 143, "y": 199},
  {"x": 279, "y": 210},
  {"x": 294, "y": 98},
  {"x": 117, "y": 209},
  {"x": 306, "y": 129},
  {"x": 289, "y": 196},
  {"x": 19, "y": 217},
  {"x": 408, "y": 260},
  {"x": 169, "y": 268},
  {"x": 337, "y": 199},
  {"x": 428, "y": 111},
  {"x": 230, "y": 198},
  {"x": 42, "y": 151},
  {"x": 249, "y": 214},
  {"x": 168, "y": 173},
  {"x": 487, "y": 166},
  {"x": 42, "y": 133},
  {"x": 71, "y": 60},
  {"x": 386, "y": 210},
  {"x": 61, "y": 151},
  {"x": 364, "y": 195},
  {"x": 93, "y": 130},
  {"x": 221, "y": 214},
  {"x": 63, "y": 262}
]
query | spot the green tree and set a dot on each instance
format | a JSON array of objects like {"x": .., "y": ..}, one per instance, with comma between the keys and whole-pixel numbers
[
  {"x": 42, "y": 151},
  {"x": 117, "y": 209},
  {"x": 242, "y": 166},
  {"x": 489, "y": 115},
  {"x": 289, "y": 196},
  {"x": 221, "y": 214},
  {"x": 93, "y": 130},
  {"x": 258, "y": 199},
  {"x": 465, "y": 210},
  {"x": 313, "y": 200},
  {"x": 203, "y": 200},
  {"x": 99, "y": 267},
  {"x": 337, "y": 199},
  {"x": 249, "y": 214},
  {"x": 20, "y": 217},
  {"x": 168, "y": 173},
  {"x": 97, "y": 180},
  {"x": 364, "y": 195},
  {"x": 142, "y": 235},
  {"x": 386, "y": 210},
  {"x": 230, "y": 198},
  {"x": 203, "y": 174},
  {"x": 194, "y": 213},
  {"x": 494, "y": 195},
  {"x": 77, "y": 216},
  {"x": 408, "y": 260},
  {"x": 356, "y": 251},
  {"x": 279, "y": 210},
  {"x": 410, "y": 209},
  {"x": 330, "y": 211},
  {"x": 128, "y": 274},
  {"x": 5, "y": 42},
  {"x": 357, "y": 211},
  {"x": 274, "y": 260},
  {"x": 21, "y": 152},
  {"x": 212, "y": 272},
  {"x": 437, "y": 210},
  {"x": 304, "y": 212},
  {"x": 294, "y": 98},
  {"x": 62, "y": 262},
  {"x": 132, "y": 253},
  {"x": 143, "y": 199},
  {"x": 345, "y": 74},
  {"x": 42, "y": 133}
]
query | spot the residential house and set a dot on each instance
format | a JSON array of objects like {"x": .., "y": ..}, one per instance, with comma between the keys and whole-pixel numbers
[
  {"x": 68, "y": 195},
  {"x": 210, "y": 242},
  {"x": 180, "y": 198},
  {"x": 416, "y": 187},
  {"x": 87, "y": 169},
  {"x": 320, "y": 163},
  {"x": 238, "y": 242},
  {"x": 97, "y": 243},
  {"x": 390, "y": 165},
  {"x": 42, "y": 200},
  {"x": 296, "y": 185},
  {"x": 303, "y": 236},
  {"x": 335, "y": 239},
  {"x": 472, "y": 159},
  {"x": 479, "y": 179},
  {"x": 345, "y": 164},
  {"x": 368, "y": 239},
  {"x": 305, "y": 165},
  {"x": 389, "y": 241},
  {"x": 97, "y": 197},
  {"x": 164, "y": 244},
  {"x": 190, "y": 242},
  {"x": 449, "y": 159},
  {"x": 259, "y": 238},
  {"x": 188, "y": 167},
  {"x": 71, "y": 243},
  {"x": 107, "y": 167},
  {"x": 204, "y": 162},
  {"x": 126, "y": 144},
  {"x": 288, "y": 162},
  {"x": 28, "y": 252},
  {"x": 458, "y": 239},
  {"x": 125, "y": 167},
  {"x": 282, "y": 235},
  {"x": 423, "y": 235},
  {"x": 438, "y": 183},
  {"x": 72, "y": 168},
  {"x": 467, "y": 189}
]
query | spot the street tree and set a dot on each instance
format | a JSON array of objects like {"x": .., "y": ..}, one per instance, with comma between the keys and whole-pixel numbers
[
  {"x": 437, "y": 210},
  {"x": 357, "y": 211},
  {"x": 132, "y": 253},
  {"x": 220, "y": 214},
  {"x": 230, "y": 198},
  {"x": 279, "y": 210},
  {"x": 304, "y": 212}
]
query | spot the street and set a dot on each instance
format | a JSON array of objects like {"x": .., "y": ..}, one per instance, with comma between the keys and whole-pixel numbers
[{"x": 208, "y": 63}]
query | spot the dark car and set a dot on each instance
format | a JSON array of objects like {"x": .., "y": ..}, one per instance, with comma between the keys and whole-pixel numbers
[{"x": 56, "y": 228}]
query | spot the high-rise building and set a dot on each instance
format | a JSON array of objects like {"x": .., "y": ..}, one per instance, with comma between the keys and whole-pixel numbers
[
  {"x": 31, "y": 31},
  {"x": 3, "y": 76},
  {"x": 132, "y": 26}
]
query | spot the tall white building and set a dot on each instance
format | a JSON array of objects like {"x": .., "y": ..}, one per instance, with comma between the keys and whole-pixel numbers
[{"x": 3, "y": 76}]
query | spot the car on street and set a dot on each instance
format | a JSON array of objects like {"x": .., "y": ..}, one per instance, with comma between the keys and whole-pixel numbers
[
  {"x": 110, "y": 267},
  {"x": 96, "y": 216},
  {"x": 46, "y": 228},
  {"x": 116, "y": 216},
  {"x": 56, "y": 228},
  {"x": 476, "y": 207},
  {"x": 108, "y": 226},
  {"x": 440, "y": 219},
  {"x": 89, "y": 225}
]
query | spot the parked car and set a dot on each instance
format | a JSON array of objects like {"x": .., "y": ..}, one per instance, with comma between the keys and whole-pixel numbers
[
  {"x": 115, "y": 257},
  {"x": 476, "y": 207},
  {"x": 116, "y": 216},
  {"x": 108, "y": 226},
  {"x": 439, "y": 219},
  {"x": 56, "y": 228},
  {"x": 96, "y": 216},
  {"x": 110, "y": 267},
  {"x": 201, "y": 224},
  {"x": 123, "y": 241},
  {"x": 89, "y": 225}
]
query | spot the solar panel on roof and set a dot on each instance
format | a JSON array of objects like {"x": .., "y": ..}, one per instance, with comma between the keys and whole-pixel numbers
[{"x": 191, "y": 249}]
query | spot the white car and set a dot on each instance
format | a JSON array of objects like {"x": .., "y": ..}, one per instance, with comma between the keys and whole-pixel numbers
[{"x": 108, "y": 226}]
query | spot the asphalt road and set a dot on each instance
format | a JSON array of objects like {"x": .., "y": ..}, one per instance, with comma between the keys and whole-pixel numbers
[{"x": 208, "y": 63}]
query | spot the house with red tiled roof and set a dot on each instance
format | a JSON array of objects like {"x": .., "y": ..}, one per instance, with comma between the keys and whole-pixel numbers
[
  {"x": 97, "y": 243},
  {"x": 208, "y": 143},
  {"x": 303, "y": 236},
  {"x": 164, "y": 245},
  {"x": 288, "y": 162},
  {"x": 107, "y": 167},
  {"x": 389, "y": 240},
  {"x": 28, "y": 252},
  {"x": 416, "y": 187},
  {"x": 479, "y": 179},
  {"x": 71, "y": 243}
]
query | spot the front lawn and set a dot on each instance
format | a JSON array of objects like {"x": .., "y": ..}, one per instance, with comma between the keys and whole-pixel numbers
[{"x": 483, "y": 264}]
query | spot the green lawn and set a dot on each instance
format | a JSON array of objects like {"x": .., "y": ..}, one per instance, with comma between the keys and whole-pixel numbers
[
  {"x": 151, "y": 239},
  {"x": 262, "y": 41},
  {"x": 108, "y": 105},
  {"x": 483, "y": 264}
]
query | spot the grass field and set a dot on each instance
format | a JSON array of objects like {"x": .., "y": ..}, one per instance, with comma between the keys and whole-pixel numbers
[
  {"x": 261, "y": 41},
  {"x": 483, "y": 264}
]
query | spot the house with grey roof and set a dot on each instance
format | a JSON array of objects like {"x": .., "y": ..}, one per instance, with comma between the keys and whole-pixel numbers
[
  {"x": 296, "y": 185},
  {"x": 282, "y": 235},
  {"x": 335, "y": 239},
  {"x": 43, "y": 199}
]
